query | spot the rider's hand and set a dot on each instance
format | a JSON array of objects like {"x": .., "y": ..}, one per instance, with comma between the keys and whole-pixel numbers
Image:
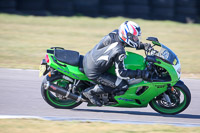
[
  {"x": 144, "y": 74},
  {"x": 147, "y": 46}
]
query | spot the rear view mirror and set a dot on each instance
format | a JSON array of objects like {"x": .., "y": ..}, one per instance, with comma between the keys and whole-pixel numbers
[{"x": 154, "y": 40}]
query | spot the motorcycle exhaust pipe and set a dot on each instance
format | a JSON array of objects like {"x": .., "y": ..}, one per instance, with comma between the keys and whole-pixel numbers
[{"x": 63, "y": 92}]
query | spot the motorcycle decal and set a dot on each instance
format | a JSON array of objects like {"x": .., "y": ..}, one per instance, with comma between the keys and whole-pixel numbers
[
  {"x": 75, "y": 76},
  {"x": 175, "y": 61},
  {"x": 160, "y": 86},
  {"x": 67, "y": 72},
  {"x": 62, "y": 70},
  {"x": 124, "y": 99},
  {"x": 54, "y": 88}
]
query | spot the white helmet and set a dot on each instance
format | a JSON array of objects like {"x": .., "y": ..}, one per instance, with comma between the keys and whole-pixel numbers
[{"x": 129, "y": 32}]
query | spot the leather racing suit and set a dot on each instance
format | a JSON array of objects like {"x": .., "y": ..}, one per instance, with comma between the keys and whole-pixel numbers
[{"x": 110, "y": 50}]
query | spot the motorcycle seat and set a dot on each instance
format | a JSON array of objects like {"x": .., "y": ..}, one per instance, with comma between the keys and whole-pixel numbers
[
  {"x": 70, "y": 57},
  {"x": 81, "y": 63},
  {"x": 67, "y": 56}
]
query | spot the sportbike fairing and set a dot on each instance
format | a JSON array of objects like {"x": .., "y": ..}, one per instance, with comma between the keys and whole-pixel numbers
[{"x": 169, "y": 56}]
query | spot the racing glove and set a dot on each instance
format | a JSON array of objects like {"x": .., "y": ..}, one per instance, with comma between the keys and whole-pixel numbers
[
  {"x": 144, "y": 74},
  {"x": 145, "y": 46}
]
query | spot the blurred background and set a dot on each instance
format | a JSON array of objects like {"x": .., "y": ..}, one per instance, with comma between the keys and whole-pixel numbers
[
  {"x": 178, "y": 10},
  {"x": 29, "y": 27}
]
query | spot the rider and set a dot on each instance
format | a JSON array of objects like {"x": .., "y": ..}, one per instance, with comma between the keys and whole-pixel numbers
[{"x": 110, "y": 50}]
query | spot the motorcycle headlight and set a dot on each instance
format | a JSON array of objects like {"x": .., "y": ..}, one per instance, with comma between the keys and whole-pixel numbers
[
  {"x": 165, "y": 55},
  {"x": 179, "y": 70}
]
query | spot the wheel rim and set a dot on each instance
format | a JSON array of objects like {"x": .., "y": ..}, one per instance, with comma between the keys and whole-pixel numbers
[
  {"x": 55, "y": 99},
  {"x": 175, "y": 108}
]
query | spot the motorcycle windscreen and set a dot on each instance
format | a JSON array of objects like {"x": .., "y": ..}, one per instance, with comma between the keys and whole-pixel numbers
[{"x": 168, "y": 55}]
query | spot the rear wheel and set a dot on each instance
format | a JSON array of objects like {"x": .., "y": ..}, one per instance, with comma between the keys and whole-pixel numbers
[
  {"x": 54, "y": 99},
  {"x": 180, "y": 99}
]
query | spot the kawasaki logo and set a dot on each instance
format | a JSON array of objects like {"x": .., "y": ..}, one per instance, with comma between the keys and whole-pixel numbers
[
  {"x": 160, "y": 86},
  {"x": 124, "y": 99}
]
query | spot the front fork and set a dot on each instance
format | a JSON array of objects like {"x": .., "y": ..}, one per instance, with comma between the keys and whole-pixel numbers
[
  {"x": 166, "y": 94},
  {"x": 167, "y": 99}
]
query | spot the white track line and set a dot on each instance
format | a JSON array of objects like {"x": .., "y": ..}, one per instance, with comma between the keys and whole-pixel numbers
[
  {"x": 13, "y": 69},
  {"x": 94, "y": 120}
]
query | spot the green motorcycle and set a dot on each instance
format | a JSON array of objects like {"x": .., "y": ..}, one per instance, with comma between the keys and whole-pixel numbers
[{"x": 163, "y": 90}]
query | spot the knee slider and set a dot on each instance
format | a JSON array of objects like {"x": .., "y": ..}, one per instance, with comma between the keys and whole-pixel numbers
[{"x": 123, "y": 86}]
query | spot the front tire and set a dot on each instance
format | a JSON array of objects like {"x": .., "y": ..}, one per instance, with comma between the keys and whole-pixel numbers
[
  {"x": 52, "y": 98},
  {"x": 179, "y": 104}
]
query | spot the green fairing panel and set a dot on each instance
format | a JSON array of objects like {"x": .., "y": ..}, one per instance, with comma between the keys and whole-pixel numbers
[
  {"x": 131, "y": 99},
  {"x": 71, "y": 71},
  {"x": 132, "y": 61},
  {"x": 156, "y": 43},
  {"x": 170, "y": 69}
]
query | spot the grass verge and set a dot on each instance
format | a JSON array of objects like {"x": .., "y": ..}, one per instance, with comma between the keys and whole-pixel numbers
[
  {"x": 24, "y": 39},
  {"x": 41, "y": 126}
]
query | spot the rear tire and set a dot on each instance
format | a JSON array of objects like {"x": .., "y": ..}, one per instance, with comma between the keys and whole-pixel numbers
[
  {"x": 51, "y": 98},
  {"x": 179, "y": 106}
]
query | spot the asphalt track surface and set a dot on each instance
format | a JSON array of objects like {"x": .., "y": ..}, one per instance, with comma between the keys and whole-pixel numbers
[{"x": 20, "y": 95}]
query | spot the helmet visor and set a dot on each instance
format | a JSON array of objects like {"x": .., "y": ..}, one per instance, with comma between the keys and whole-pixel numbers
[{"x": 136, "y": 39}]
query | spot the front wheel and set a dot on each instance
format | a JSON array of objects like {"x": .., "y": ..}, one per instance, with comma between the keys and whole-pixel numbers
[
  {"x": 180, "y": 99},
  {"x": 54, "y": 99}
]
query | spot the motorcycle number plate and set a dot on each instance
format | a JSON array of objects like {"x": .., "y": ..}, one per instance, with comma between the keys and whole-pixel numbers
[{"x": 42, "y": 69}]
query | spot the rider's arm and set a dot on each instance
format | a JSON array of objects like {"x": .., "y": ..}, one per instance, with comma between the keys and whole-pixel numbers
[{"x": 120, "y": 70}]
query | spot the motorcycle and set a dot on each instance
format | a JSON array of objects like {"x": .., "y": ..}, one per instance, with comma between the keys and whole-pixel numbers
[{"x": 163, "y": 90}]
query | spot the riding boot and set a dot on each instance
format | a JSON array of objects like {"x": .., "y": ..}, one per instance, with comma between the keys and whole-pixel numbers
[{"x": 91, "y": 94}]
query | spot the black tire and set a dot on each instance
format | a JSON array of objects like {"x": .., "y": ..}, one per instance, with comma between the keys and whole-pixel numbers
[
  {"x": 186, "y": 11},
  {"x": 33, "y": 12},
  {"x": 61, "y": 13},
  {"x": 186, "y": 3},
  {"x": 112, "y": 2},
  {"x": 31, "y": 5},
  {"x": 137, "y": 2},
  {"x": 8, "y": 11},
  {"x": 88, "y": 11},
  {"x": 186, "y": 14},
  {"x": 112, "y": 10},
  {"x": 46, "y": 94},
  {"x": 86, "y": 2},
  {"x": 163, "y": 3},
  {"x": 137, "y": 11},
  {"x": 163, "y": 13},
  {"x": 87, "y": 7},
  {"x": 187, "y": 18},
  {"x": 174, "y": 110},
  {"x": 61, "y": 7},
  {"x": 7, "y": 4}
]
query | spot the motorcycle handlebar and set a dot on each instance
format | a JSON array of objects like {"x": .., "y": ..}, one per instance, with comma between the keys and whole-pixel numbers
[
  {"x": 150, "y": 50},
  {"x": 152, "y": 59}
]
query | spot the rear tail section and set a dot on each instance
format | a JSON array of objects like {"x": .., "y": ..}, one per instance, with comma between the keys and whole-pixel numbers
[{"x": 67, "y": 62}]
